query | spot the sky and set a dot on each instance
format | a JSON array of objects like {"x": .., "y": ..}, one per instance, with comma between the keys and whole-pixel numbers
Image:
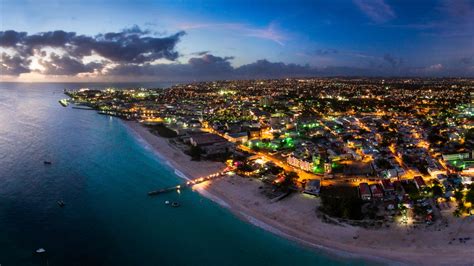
[{"x": 44, "y": 41}]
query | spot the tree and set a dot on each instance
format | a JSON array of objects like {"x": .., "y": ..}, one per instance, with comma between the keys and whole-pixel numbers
[
  {"x": 470, "y": 134},
  {"x": 470, "y": 195},
  {"x": 458, "y": 196},
  {"x": 457, "y": 213},
  {"x": 276, "y": 135},
  {"x": 290, "y": 180},
  {"x": 437, "y": 191}
]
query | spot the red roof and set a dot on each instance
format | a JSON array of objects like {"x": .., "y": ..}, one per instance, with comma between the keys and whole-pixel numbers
[
  {"x": 376, "y": 190},
  {"x": 364, "y": 189},
  {"x": 387, "y": 185}
]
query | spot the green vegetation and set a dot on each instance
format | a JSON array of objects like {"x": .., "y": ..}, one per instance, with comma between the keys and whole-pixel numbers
[
  {"x": 289, "y": 181},
  {"x": 437, "y": 190},
  {"x": 162, "y": 131},
  {"x": 470, "y": 195},
  {"x": 341, "y": 202}
]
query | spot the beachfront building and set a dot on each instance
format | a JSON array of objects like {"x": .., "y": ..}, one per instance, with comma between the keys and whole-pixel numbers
[
  {"x": 376, "y": 191},
  {"x": 210, "y": 144},
  {"x": 364, "y": 191}
]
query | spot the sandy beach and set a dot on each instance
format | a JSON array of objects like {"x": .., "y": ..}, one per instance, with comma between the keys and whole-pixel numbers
[{"x": 295, "y": 218}]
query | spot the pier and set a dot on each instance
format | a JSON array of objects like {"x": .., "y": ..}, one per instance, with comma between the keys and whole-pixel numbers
[{"x": 186, "y": 184}]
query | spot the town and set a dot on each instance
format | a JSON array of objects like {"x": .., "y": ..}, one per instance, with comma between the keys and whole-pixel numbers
[{"x": 398, "y": 150}]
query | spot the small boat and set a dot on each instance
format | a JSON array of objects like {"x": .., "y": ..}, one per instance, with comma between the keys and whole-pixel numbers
[
  {"x": 175, "y": 204},
  {"x": 40, "y": 250},
  {"x": 167, "y": 202},
  {"x": 61, "y": 203},
  {"x": 47, "y": 162}
]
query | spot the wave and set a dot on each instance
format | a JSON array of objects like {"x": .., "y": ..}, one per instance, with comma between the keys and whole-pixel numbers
[
  {"x": 179, "y": 173},
  {"x": 337, "y": 252}
]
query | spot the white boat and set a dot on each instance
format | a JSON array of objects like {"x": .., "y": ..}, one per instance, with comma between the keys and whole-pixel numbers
[{"x": 40, "y": 250}]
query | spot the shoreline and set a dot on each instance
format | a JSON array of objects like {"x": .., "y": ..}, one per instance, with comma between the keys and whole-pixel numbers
[{"x": 244, "y": 201}]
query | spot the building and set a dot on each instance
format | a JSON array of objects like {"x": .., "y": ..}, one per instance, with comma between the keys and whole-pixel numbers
[
  {"x": 237, "y": 137},
  {"x": 210, "y": 144},
  {"x": 419, "y": 182},
  {"x": 300, "y": 163},
  {"x": 388, "y": 186},
  {"x": 376, "y": 191},
  {"x": 313, "y": 187},
  {"x": 364, "y": 191},
  {"x": 254, "y": 133}
]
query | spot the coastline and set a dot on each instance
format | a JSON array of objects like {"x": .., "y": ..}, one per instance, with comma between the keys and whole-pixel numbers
[{"x": 295, "y": 218}]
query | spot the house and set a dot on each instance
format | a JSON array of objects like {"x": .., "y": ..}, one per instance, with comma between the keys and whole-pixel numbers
[
  {"x": 377, "y": 192},
  {"x": 419, "y": 182},
  {"x": 313, "y": 187},
  {"x": 364, "y": 191},
  {"x": 388, "y": 186}
]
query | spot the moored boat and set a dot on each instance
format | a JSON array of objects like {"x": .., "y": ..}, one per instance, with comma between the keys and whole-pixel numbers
[
  {"x": 61, "y": 203},
  {"x": 40, "y": 250}
]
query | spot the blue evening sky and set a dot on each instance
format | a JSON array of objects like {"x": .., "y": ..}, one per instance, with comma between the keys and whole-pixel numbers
[{"x": 403, "y": 35}]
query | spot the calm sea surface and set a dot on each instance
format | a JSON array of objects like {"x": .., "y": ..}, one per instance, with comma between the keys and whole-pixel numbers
[{"x": 102, "y": 172}]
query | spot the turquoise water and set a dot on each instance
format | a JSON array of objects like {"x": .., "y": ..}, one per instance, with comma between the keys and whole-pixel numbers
[{"x": 103, "y": 172}]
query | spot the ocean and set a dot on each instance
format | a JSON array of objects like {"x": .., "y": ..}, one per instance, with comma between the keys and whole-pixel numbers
[{"x": 103, "y": 173}]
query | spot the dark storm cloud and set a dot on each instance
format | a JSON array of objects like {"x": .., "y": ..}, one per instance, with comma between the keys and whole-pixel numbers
[
  {"x": 132, "y": 45},
  {"x": 13, "y": 65}
]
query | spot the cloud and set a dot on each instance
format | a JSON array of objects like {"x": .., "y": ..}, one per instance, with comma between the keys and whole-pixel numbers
[
  {"x": 435, "y": 67},
  {"x": 66, "y": 65},
  {"x": 211, "y": 64},
  {"x": 267, "y": 33},
  {"x": 200, "y": 53},
  {"x": 325, "y": 52},
  {"x": 13, "y": 65},
  {"x": 129, "y": 46},
  {"x": 377, "y": 10},
  {"x": 10, "y": 38}
]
